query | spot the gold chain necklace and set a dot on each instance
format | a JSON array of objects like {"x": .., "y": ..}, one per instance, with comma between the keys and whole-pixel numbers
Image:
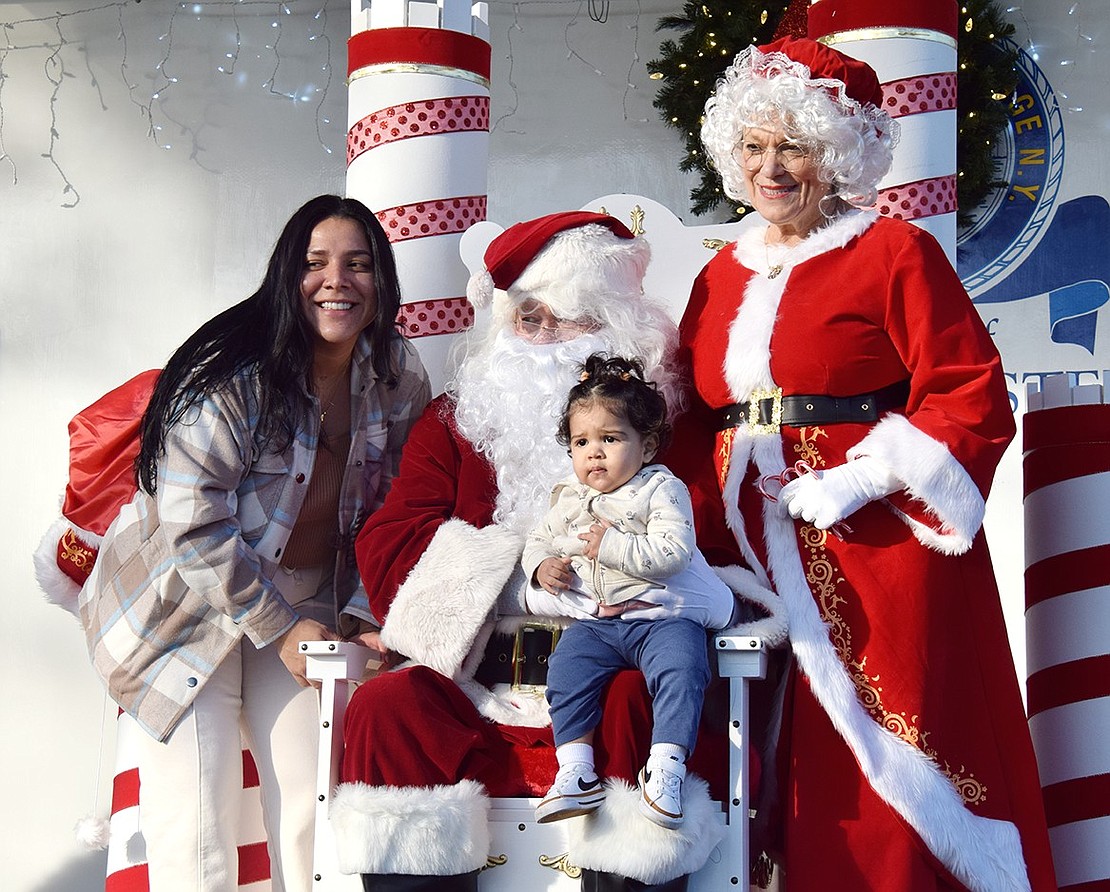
[{"x": 335, "y": 389}]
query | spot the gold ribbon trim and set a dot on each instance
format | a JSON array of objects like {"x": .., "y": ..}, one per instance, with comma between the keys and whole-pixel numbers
[
  {"x": 886, "y": 34},
  {"x": 419, "y": 68}
]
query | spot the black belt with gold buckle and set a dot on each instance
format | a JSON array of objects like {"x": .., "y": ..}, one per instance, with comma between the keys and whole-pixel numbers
[
  {"x": 520, "y": 659},
  {"x": 768, "y": 410}
]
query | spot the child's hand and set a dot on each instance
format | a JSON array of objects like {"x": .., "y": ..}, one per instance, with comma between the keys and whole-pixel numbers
[
  {"x": 554, "y": 575},
  {"x": 592, "y": 538}
]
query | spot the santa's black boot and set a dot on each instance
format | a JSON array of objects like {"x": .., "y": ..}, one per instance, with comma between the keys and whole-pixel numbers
[
  {"x": 403, "y": 882},
  {"x": 598, "y": 881}
]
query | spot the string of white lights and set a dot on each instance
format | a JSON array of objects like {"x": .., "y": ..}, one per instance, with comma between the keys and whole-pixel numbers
[
  {"x": 53, "y": 34},
  {"x": 1072, "y": 58},
  {"x": 174, "y": 64},
  {"x": 131, "y": 88},
  {"x": 515, "y": 26},
  {"x": 269, "y": 85},
  {"x": 167, "y": 80},
  {"x": 4, "y": 156},
  {"x": 56, "y": 73},
  {"x": 572, "y": 53},
  {"x": 633, "y": 62},
  {"x": 322, "y": 14},
  {"x": 1083, "y": 46}
]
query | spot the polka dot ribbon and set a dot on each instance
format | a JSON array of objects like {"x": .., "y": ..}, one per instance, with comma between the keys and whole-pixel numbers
[{"x": 429, "y": 117}]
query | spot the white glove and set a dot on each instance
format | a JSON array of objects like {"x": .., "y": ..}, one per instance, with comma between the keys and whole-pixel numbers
[{"x": 827, "y": 497}]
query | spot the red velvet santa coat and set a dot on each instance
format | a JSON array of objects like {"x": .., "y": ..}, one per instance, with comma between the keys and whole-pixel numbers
[
  {"x": 897, "y": 631},
  {"x": 433, "y": 565}
]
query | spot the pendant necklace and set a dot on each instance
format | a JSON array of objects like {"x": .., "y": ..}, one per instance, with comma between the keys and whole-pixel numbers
[
  {"x": 772, "y": 269},
  {"x": 336, "y": 387}
]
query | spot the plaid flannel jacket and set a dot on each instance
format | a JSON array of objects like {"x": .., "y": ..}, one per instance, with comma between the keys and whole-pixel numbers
[{"x": 182, "y": 576}]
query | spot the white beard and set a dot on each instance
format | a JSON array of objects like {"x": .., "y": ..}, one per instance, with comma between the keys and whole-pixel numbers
[{"x": 510, "y": 397}]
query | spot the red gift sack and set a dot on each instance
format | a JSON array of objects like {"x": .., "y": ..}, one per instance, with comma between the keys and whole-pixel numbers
[{"x": 103, "y": 446}]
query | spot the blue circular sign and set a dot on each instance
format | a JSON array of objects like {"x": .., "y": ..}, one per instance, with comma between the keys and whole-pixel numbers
[{"x": 1029, "y": 162}]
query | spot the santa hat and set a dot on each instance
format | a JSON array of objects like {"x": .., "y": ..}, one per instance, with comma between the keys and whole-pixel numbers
[
  {"x": 850, "y": 83},
  {"x": 564, "y": 259}
]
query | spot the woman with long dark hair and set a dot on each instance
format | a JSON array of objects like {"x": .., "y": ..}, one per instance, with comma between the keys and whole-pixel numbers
[{"x": 271, "y": 434}]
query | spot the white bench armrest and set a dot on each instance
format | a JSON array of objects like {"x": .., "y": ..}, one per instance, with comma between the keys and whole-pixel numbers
[{"x": 335, "y": 660}]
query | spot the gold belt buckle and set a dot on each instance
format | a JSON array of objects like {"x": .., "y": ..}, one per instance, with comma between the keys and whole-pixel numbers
[
  {"x": 520, "y": 653},
  {"x": 775, "y": 395}
]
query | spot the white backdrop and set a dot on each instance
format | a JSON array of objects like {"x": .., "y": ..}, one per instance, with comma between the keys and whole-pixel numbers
[
  {"x": 160, "y": 241},
  {"x": 168, "y": 230}
]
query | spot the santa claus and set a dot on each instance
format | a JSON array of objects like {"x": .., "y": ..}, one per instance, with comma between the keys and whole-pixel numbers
[{"x": 428, "y": 743}]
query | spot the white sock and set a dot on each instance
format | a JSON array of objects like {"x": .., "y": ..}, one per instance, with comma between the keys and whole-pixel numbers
[
  {"x": 575, "y": 754},
  {"x": 660, "y": 751}
]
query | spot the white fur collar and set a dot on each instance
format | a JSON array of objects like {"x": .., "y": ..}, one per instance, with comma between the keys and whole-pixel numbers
[
  {"x": 751, "y": 245},
  {"x": 749, "y": 369}
]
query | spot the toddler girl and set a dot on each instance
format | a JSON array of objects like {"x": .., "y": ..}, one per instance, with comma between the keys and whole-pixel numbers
[{"x": 617, "y": 550}]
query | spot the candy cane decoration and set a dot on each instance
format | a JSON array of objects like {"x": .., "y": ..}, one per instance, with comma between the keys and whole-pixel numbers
[
  {"x": 418, "y": 147},
  {"x": 912, "y": 47},
  {"x": 1067, "y": 620}
]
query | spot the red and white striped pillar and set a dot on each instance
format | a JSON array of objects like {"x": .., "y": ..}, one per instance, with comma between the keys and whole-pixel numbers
[
  {"x": 126, "y": 869},
  {"x": 418, "y": 148},
  {"x": 1067, "y": 621},
  {"x": 911, "y": 44}
]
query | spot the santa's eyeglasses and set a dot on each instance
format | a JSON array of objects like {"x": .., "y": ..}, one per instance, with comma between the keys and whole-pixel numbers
[{"x": 539, "y": 323}]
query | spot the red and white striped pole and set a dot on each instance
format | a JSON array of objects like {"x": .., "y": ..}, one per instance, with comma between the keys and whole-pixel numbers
[
  {"x": 911, "y": 44},
  {"x": 1067, "y": 620},
  {"x": 418, "y": 148}
]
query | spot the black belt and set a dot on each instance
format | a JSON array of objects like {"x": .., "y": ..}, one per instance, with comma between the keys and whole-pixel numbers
[
  {"x": 767, "y": 410},
  {"x": 520, "y": 659}
]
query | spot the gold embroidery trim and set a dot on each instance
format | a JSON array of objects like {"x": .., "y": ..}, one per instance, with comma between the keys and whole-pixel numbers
[
  {"x": 824, "y": 578},
  {"x": 725, "y": 453},
  {"x": 73, "y": 551},
  {"x": 806, "y": 448}
]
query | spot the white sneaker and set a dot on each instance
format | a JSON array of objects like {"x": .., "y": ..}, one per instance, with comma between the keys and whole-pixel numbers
[
  {"x": 577, "y": 791},
  {"x": 661, "y": 791}
]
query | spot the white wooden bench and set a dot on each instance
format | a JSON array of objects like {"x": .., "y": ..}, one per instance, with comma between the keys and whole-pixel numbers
[{"x": 526, "y": 855}]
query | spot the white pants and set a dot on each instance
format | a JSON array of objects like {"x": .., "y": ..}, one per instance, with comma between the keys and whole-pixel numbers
[{"x": 191, "y": 785}]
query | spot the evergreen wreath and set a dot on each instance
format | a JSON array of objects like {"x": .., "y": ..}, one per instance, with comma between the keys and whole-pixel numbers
[{"x": 712, "y": 32}]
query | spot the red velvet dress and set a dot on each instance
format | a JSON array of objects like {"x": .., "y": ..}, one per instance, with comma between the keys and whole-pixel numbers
[{"x": 905, "y": 755}]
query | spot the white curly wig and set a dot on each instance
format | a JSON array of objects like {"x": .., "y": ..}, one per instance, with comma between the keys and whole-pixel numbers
[
  {"x": 852, "y": 144},
  {"x": 589, "y": 272}
]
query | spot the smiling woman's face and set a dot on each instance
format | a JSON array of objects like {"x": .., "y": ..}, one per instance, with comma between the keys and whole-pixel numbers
[
  {"x": 338, "y": 296},
  {"x": 782, "y": 180}
]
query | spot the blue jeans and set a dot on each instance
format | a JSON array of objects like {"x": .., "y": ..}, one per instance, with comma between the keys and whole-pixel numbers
[{"x": 673, "y": 655}]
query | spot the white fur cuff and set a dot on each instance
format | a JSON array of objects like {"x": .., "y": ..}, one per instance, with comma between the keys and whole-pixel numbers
[
  {"x": 504, "y": 706},
  {"x": 59, "y": 588},
  {"x": 617, "y": 838},
  {"x": 430, "y": 831},
  {"x": 449, "y": 594},
  {"x": 772, "y": 628},
  {"x": 932, "y": 475}
]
